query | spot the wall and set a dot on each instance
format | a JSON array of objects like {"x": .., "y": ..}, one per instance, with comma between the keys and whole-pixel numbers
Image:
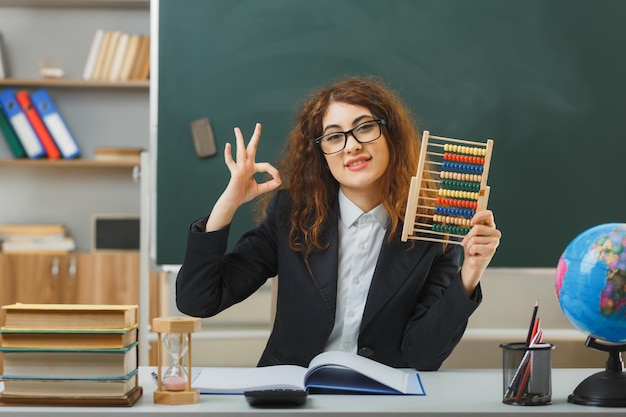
[{"x": 509, "y": 295}]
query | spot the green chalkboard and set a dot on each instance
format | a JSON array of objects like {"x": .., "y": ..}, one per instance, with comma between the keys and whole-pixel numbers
[{"x": 543, "y": 78}]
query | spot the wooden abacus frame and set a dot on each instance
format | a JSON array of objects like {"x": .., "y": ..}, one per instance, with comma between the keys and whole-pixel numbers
[{"x": 450, "y": 186}]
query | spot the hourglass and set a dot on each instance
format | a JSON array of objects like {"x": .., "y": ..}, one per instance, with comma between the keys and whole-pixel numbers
[{"x": 174, "y": 338}]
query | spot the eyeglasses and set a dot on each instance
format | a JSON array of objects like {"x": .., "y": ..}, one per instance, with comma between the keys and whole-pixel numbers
[{"x": 363, "y": 133}]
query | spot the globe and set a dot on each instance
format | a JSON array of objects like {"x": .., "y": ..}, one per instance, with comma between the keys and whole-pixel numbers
[{"x": 591, "y": 282}]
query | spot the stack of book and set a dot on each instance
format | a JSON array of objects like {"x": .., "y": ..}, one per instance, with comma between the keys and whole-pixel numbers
[
  {"x": 39, "y": 238},
  {"x": 117, "y": 56},
  {"x": 33, "y": 127},
  {"x": 70, "y": 354}
]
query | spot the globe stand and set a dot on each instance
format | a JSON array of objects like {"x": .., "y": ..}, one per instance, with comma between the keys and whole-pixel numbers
[{"x": 606, "y": 388}]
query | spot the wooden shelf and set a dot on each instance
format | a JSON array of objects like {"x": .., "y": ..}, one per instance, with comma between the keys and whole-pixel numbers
[
  {"x": 76, "y": 163},
  {"x": 143, "y": 4},
  {"x": 65, "y": 83}
]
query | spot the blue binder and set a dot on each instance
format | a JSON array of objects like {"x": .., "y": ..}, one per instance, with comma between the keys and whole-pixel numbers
[
  {"x": 21, "y": 125},
  {"x": 56, "y": 125}
]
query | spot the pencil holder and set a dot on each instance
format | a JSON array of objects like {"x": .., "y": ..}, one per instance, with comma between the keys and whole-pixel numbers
[{"x": 527, "y": 373}]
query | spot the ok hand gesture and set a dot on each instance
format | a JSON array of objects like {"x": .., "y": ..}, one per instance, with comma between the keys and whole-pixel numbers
[{"x": 242, "y": 186}]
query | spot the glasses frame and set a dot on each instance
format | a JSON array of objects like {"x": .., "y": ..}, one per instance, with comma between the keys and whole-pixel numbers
[{"x": 380, "y": 122}]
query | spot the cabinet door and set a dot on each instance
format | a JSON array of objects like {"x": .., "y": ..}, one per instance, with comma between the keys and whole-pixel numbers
[
  {"x": 114, "y": 278},
  {"x": 6, "y": 285},
  {"x": 34, "y": 278},
  {"x": 77, "y": 278},
  {"x": 6, "y": 290},
  {"x": 75, "y": 272}
]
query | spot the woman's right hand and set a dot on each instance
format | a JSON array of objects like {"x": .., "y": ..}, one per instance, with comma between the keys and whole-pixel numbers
[{"x": 242, "y": 186}]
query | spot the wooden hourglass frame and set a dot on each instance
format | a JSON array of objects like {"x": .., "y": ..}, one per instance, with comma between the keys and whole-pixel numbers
[
  {"x": 183, "y": 326},
  {"x": 450, "y": 186}
]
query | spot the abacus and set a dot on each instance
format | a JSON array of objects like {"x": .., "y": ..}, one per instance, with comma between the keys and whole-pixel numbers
[{"x": 450, "y": 186}]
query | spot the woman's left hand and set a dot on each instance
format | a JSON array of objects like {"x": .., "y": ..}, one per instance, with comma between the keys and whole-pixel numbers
[{"x": 479, "y": 245}]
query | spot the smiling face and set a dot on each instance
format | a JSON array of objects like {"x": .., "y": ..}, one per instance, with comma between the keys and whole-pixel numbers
[{"x": 359, "y": 166}]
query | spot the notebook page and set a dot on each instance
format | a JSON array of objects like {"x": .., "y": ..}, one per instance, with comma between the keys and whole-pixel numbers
[{"x": 236, "y": 380}]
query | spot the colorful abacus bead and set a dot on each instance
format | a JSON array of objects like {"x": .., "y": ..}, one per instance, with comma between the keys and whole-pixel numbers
[
  {"x": 460, "y": 185},
  {"x": 461, "y": 176},
  {"x": 469, "y": 150},
  {"x": 447, "y": 220},
  {"x": 453, "y": 166},
  {"x": 450, "y": 229},
  {"x": 475, "y": 160},
  {"x": 457, "y": 203},
  {"x": 466, "y": 195},
  {"x": 455, "y": 212}
]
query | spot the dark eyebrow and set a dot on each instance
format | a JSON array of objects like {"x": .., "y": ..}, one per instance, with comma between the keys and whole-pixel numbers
[{"x": 354, "y": 122}]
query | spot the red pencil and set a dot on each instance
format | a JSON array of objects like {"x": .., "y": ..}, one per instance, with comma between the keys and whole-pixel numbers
[{"x": 536, "y": 338}]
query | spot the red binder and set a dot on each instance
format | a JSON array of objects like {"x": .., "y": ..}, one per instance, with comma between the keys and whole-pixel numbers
[{"x": 52, "y": 151}]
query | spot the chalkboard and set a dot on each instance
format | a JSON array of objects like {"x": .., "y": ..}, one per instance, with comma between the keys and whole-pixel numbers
[{"x": 543, "y": 78}]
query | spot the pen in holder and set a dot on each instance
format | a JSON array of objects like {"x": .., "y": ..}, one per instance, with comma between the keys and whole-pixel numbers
[{"x": 527, "y": 373}]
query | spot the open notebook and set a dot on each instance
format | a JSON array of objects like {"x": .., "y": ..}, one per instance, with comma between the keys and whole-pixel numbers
[{"x": 328, "y": 372}]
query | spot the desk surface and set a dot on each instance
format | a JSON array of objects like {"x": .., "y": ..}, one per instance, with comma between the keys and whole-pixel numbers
[{"x": 448, "y": 392}]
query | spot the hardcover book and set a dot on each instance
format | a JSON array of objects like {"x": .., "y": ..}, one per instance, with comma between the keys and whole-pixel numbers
[
  {"x": 132, "y": 155},
  {"x": 129, "y": 57},
  {"x": 69, "y": 316},
  {"x": 92, "y": 57},
  {"x": 142, "y": 59},
  {"x": 329, "y": 372},
  {"x": 44, "y": 244},
  {"x": 4, "y": 63},
  {"x": 33, "y": 387},
  {"x": 109, "y": 54},
  {"x": 102, "y": 51},
  {"x": 37, "y": 338},
  {"x": 52, "y": 229},
  {"x": 56, "y": 363},
  {"x": 118, "y": 57},
  {"x": 125, "y": 400}
]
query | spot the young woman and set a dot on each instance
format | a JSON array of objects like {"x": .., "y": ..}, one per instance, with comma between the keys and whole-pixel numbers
[{"x": 331, "y": 234}]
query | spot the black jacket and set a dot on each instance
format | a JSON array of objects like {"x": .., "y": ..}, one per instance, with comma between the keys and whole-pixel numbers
[{"x": 415, "y": 314}]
